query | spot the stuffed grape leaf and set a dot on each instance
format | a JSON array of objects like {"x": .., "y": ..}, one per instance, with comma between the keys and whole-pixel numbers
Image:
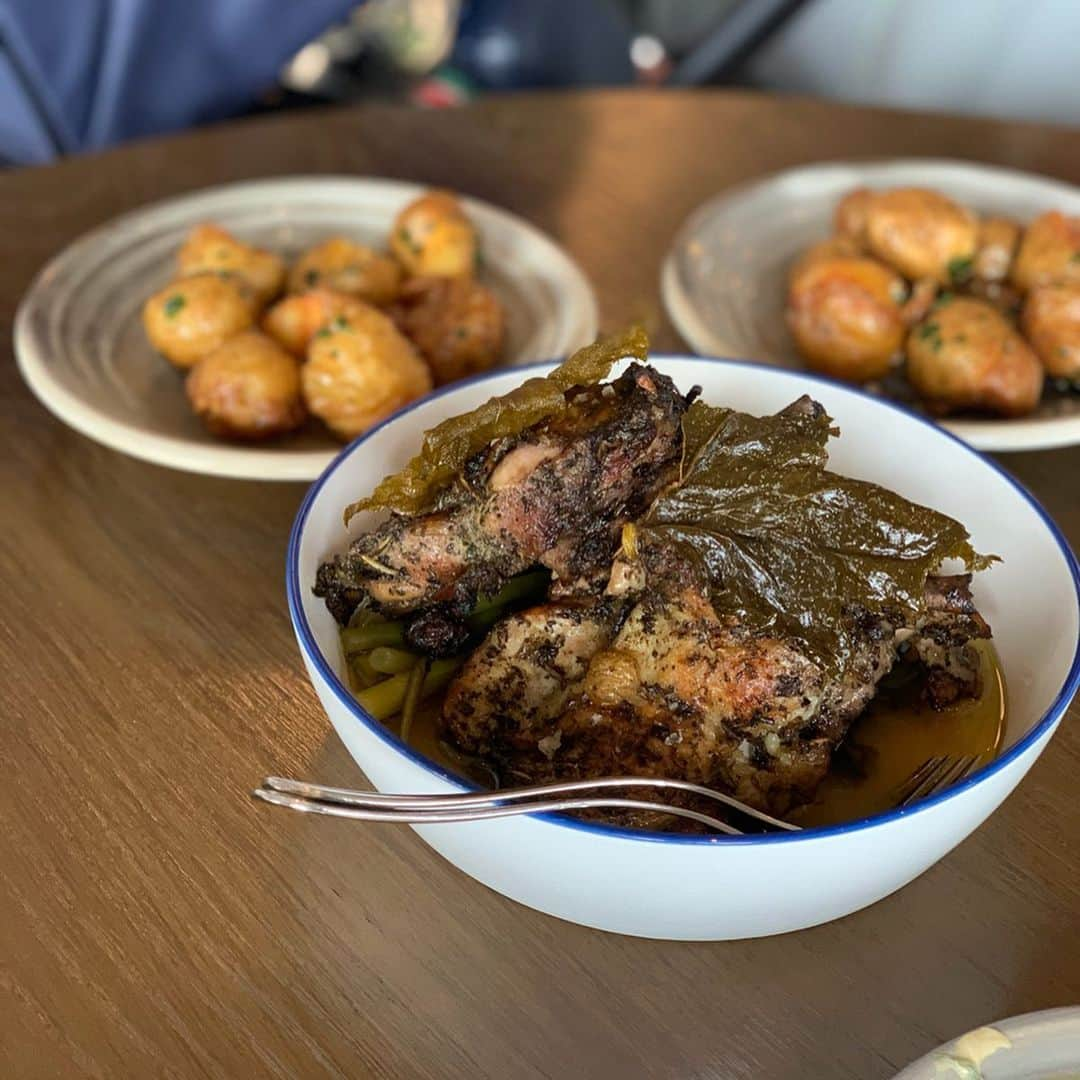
[
  {"x": 789, "y": 547},
  {"x": 450, "y": 444}
]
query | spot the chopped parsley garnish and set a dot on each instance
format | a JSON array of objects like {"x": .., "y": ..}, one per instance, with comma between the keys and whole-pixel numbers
[
  {"x": 406, "y": 238},
  {"x": 931, "y": 333},
  {"x": 340, "y": 323},
  {"x": 311, "y": 277},
  {"x": 1075, "y": 257},
  {"x": 943, "y": 298},
  {"x": 174, "y": 305},
  {"x": 959, "y": 269},
  {"x": 323, "y": 331}
]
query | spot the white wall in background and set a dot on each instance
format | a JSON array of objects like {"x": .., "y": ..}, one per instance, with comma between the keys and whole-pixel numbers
[{"x": 1015, "y": 58}]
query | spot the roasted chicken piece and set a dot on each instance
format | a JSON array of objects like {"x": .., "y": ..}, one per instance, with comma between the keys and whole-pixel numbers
[
  {"x": 681, "y": 692},
  {"x": 517, "y": 681},
  {"x": 557, "y": 495}
]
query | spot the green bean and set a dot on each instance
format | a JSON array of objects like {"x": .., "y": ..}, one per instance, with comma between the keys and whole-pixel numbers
[
  {"x": 361, "y": 673},
  {"x": 391, "y": 661},
  {"x": 386, "y": 698},
  {"x": 482, "y": 621},
  {"x": 413, "y": 689},
  {"x": 362, "y": 616},
  {"x": 517, "y": 588},
  {"x": 356, "y": 639}
]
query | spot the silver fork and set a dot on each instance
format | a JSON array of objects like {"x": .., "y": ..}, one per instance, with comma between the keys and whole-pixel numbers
[
  {"x": 930, "y": 777},
  {"x": 934, "y": 775}
]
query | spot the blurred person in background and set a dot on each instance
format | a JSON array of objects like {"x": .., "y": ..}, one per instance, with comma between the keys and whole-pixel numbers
[
  {"x": 80, "y": 76},
  {"x": 77, "y": 77}
]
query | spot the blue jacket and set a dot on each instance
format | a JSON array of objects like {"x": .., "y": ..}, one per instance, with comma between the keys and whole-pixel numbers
[{"x": 81, "y": 74}]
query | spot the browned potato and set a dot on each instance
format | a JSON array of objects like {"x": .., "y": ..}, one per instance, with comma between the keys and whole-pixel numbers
[
  {"x": 967, "y": 355},
  {"x": 1049, "y": 252},
  {"x": 1051, "y": 321},
  {"x": 844, "y": 314},
  {"x": 248, "y": 388},
  {"x": 824, "y": 249},
  {"x": 998, "y": 238},
  {"x": 457, "y": 324},
  {"x": 852, "y": 213},
  {"x": 922, "y": 234},
  {"x": 360, "y": 369},
  {"x": 432, "y": 237},
  {"x": 209, "y": 248},
  {"x": 193, "y": 316},
  {"x": 293, "y": 320},
  {"x": 347, "y": 267}
]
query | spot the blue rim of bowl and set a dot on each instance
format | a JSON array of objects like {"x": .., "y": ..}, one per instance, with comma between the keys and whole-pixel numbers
[{"x": 311, "y": 648}]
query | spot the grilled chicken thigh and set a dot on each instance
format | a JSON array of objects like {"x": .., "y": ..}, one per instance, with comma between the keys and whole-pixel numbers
[
  {"x": 680, "y": 692},
  {"x": 557, "y": 495}
]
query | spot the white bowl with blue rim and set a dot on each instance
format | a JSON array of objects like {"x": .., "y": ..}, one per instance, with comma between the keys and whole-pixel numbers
[{"x": 718, "y": 887}]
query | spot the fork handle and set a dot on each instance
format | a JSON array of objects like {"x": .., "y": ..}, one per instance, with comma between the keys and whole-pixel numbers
[
  {"x": 440, "y": 816},
  {"x": 503, "y": 796}
]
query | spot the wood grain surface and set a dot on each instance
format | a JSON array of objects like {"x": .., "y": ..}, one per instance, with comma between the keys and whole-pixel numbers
[{"x": 155, "y": 922}]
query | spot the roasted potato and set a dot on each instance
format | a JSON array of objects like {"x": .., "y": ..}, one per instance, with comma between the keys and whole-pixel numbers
[
  {"x": 1049, "y": 252},
  {"x": 293, "y": 320},
  {"x": 360, "y": 369},
  {"x": 247, "y": 388},
  {"x": 1051, "y": 321},
  {"x": 922, "y": 234},
  {"x": 457, "y": 324},
  {"x": 851, "y": 215},
  {"x": 193, "y": 316},
  {"x": 432, "y": 237},
  {"x": 967, "y": 356},
  {"x": 347, "y": 267},
  {"x": 209, "y": 248},
  {"x": 823, "y": 249},
  {"x": 997, "y": 242},
  {"x": 844, "y": 313}
]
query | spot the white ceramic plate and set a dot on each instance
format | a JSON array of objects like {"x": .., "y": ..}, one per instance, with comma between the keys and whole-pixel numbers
[
  {"x": 708, "y": 887},
  {"x": 723, "y": 281},
  {"x": 1037, "y": 1046},
  {"x": 80, "y": 344}
]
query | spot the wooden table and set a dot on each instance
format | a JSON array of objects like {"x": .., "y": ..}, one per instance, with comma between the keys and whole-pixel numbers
[{"x": 154, "y": 921}]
